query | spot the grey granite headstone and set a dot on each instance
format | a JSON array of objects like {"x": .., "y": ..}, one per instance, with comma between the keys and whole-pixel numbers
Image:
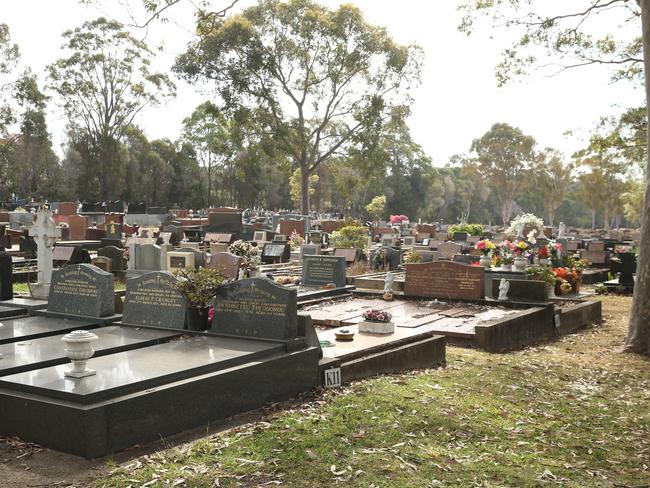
[
  {"x": 309, "y": 249},
  {"x": 322, "y": 270},
  {"x": 82, "y": 289},
  {"x": 148, "y": 257},
  {"x": 256, "y": 307},
  {"x": 393, "y": 257},
  {"x": 152, "y": 299}
]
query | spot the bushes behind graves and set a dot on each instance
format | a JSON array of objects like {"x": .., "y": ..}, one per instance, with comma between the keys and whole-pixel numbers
[
  {"x": 471, "y": 229},
  {"x": 350, "y": 236}
]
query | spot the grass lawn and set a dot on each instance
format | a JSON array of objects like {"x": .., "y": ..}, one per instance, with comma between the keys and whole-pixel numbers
[{"x": 572, "y": 413}]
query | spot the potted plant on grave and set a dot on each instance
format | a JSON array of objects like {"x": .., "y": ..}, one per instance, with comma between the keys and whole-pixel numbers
[
  {"x": 251, "y": 261},
  {"x": 486, "y": 247},
  {"x": 198, "y": 287},
  {"x": 379, "y": 258},
  {"x": 519, "y": 262},
  {"x": 376, "y": 322},
  {"x": 543, "y": 273}
]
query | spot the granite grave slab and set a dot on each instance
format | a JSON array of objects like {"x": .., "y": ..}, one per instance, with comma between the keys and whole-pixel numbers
[
  {"x": 323, "y": 270},
  {"x": 83, "y": 290},
  {"x": 444, "y": 279}
]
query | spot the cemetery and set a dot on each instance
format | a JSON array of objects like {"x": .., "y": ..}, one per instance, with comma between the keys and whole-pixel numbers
[{"x": 312, "y": 243}]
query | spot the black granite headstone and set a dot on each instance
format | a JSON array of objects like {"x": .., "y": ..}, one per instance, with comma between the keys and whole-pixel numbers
[
  {"x": 6, "y": 277},
  {"x": 82, "y": 289},
  {"x": 523, "y": 290},
  {"x": 321, "y": 270},
  {"x": 275, "y": 252},
  {"x": 152, "y": 299},
  {"x": 28, "y": 246},
  {"x": 256, "y": 307}
]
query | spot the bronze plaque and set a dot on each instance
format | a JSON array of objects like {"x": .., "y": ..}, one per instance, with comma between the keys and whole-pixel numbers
[{"x": 445, "y": 279}]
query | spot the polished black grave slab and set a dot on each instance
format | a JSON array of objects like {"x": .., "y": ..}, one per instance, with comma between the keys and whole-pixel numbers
[
  {"x": 24, "y": 303},
  {"x": 39, "y": 353},
  {"x": 23, "y": 328},
  {"x": 6, "y": 312},
  {"x": 133, "y": 371}
]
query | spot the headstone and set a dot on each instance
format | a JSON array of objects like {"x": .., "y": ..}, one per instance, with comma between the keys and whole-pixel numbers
[
  {"x": 179, "y": 260},
  {"x": 523, "y": 290},
  {"x": 259, "y": 236},
  {"x": 275, "y": 252},
  {"x": 256, "y": 307},
  {"x": 77, "y": 225},
  {"x": 28, "y": 247},
  {"x": 227, "y": 222},
  {"x": 596, "y": 246},
  {"x": 280, "y": 238},
  {"x": 409, "y": 242},
  {"x": 148, "y": 257},
  {"x": 596, "y": 257},
  {"x": 6, "y": 276},
  {"x": 228, "y": 262},
  {"x": 287, "y": 227},
  {"x": 309, "y": 249},
  {"x": 152, "y": 299},
  {"x": 393, "y": 258},
  {"x": 460, "y": 236},
  {"x": 199, "y": 256},
  {"x": 102, "y": 263},
  {"x": 429, "y": 256},
  {"x": 62, "y": 254},
  {"x": 572, "y": 245},
  {"x": 116, "y": 255},
  {"x": 67, "y": 208},
  {"x": 46, "y": 233},
  {"x": 218, "y": 237},
  {"x": 449, "y": 249},
  {"x": 445, "y": 279},
  {"x": 350, "y": 254},
  {"x": 82, "y": 289},
  {"x": 323, "y": 270},
  {"x": 216, "y": 247}
]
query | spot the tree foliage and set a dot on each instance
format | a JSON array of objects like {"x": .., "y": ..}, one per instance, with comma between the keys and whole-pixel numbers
[{"x": 316, "y": 78}]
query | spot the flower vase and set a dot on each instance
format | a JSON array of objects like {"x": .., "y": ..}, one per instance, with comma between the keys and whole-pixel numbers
[
  {"x": 79, "y": 350},
  {"x": 506, "y": 267},
  {"x": 519, "y": 263},
  {"x": 485, "y": 261},
  {"x": 551, "y": 291}
]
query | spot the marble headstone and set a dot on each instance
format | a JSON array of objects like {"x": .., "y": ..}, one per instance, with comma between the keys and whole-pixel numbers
[{"x": 227, "y": 262}]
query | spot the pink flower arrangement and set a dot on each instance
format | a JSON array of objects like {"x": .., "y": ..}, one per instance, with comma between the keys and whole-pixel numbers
[
  {"x": 373, "y": 315},
  {"x": 485, "y": 246},
  {"x": 397, "y": 219}
]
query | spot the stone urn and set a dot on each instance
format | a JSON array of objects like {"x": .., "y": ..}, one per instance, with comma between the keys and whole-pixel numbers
[
  {"x": 519, "y": 263},
  {"x": 79, "y": 349},
  {"x": 506, "y": 267},
  {"x": 485, "y": 261}
]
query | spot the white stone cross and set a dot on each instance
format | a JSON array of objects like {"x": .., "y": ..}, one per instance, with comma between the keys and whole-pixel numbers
[{"x": 45, "y": 233}]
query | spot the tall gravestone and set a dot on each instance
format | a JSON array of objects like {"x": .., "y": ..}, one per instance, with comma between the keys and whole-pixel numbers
[
  {"x": 82, "y": 289},
  {"x": 152, "y": 299},
  {"x": 256, "y": 307},
  {"x": 45, "y": 232},
  {"x": 148, "y": 257}
]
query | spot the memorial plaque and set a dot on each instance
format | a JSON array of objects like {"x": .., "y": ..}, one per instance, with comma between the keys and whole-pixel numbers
[
  {"x": 322, "y": 270},
  {"x": 114, "y": 231},
  {"x": 445, "y": 280},
  {"x": 199, "y": 256},
  {"x": 275, "y": 252},
  {"x": 62, "y": 253},
  {"x": 116, "y": 255},
  {"x": 82, "y": 289},
  {"x": 178, "y": 260},
  {"x": 256, "y": 307},
  {"x": 259, "y": 236},
  {"x": 409, "y": 242},
  {"x": 350, "y": 254},
  {"x": 309, "y": 249},
  {"x": 218, "y": 237},
  {"x": 152, "y": 299},
  {"x": 280, "y": 238},
  {"x": 572, "y": 245}
]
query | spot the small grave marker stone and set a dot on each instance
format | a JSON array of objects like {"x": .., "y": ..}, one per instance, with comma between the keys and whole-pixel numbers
[
  {"x": 322, "y": 270},
  {"x": 445, "y": 279}
]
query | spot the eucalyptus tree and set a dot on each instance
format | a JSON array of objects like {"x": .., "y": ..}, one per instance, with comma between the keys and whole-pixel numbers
[
  {"x": 316, "y": 78},
  {"x": 104, "y": 81},
  {"x": 504, "y": 154}
]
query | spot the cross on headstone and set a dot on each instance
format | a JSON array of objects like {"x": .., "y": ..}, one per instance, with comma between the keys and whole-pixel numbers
[{"x": 45, "y": 233}]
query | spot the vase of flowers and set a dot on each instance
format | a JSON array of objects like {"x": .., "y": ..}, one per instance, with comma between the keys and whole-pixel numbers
[
  {"x": 543, "y": 273},
  {"x": 376, "y": 322},
  {"x": 486, "y": 247},
  {"x": 519, "y": 262},
  {"x": 198, "y": 287}
]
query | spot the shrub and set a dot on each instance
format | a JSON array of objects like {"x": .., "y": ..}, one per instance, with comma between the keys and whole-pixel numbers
[{"x": 349, "y": 236}]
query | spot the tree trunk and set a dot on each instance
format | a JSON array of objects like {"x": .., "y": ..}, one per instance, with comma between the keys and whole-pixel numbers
[
  {"x": 304, "y": 189},
  {"x": 638, "y": 336},
  {"x": 593, "y": 219}
]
